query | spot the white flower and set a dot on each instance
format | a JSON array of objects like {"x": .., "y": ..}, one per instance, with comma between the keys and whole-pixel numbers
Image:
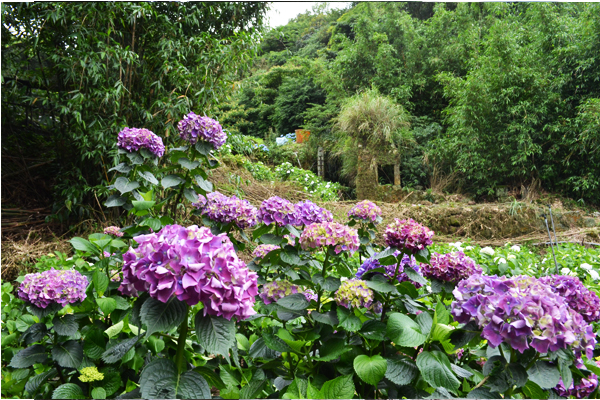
[
  {"x": 305, "y": 188},
  {"x": 511, "y": 256},
  {"x": 487, "y": 250},
  {"x": 502, "y": 261},
  {"x": 565, "y": 271},
  {"x": 594, "y": 275},
  {"x": 469, "y": 248},
  {"x": 428, "y": 288},
  {"x": 544, "y": 260},
  {"x": 456, "y": 245},
  {"x": 586, "y": 266},
  {"x": 343, "y": 279},
  {"x": 288, "y": 171},
  {"x": 516, "y": 248}
]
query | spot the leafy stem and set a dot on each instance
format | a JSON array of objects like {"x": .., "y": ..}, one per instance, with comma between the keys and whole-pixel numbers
[{"x": 180, "y": 355}]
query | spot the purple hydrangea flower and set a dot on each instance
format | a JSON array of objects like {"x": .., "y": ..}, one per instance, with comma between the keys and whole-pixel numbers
[
  {"x": 195, "y": 266},
  {"x": 134, "y": 139},
  {"x": 280, "y": 211},
  {"x": 221, "y": 208},
  {"x": 366, "y": 211},
  {"x": 262, "y": 250},
  {"x": 329, "y": 234},
  {"x": 194, "y": 127},
  {"x": 522, "y": 312},
  {"x": 579, "y": 298},
  {"x": 113, "y": 230},
  {"x": 310, "y": 295},
  {"x": 275, "y": 290},
  {"x": 291, "y": 240},
  {"x": 580, "y": 391},
  {"x": 408, "y": 234},
  {"x": 390, "y": 270},
  {"x": 451, "y": 267},
  {"x": 54, "y": 286},
  {"x": 354, "y": 293},
  {"x": 308, "y": 212}
]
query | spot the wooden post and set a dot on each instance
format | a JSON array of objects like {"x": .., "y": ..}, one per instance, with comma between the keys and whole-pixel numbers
[
  {"x": 397, "y": 174},
  {"x": 321, "y": 162}
]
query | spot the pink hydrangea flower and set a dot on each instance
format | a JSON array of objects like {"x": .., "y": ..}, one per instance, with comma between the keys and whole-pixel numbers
[
  {"x": 195, "y": 266},
  {"x": 408, "y": 234},
  {"x": 113, "y": 230},
  {"x": 330, "y": 234},
  {"x": 451, "y": 267},
  {"x": 365, "y": 211},
  {"x": 262, "y": 250},
  {"x": 54, "y": 286},
  {"x": 134, "y": 139}
]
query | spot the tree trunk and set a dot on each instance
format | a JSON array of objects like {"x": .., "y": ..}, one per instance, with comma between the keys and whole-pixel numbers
[{"x": 367, "y": 183}]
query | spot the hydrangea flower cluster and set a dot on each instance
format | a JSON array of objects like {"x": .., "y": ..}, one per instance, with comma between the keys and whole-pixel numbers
[
  {"x": 134, "y": 139},
  {"x": 451, "y": 267},
  {"x": 280, "y": 211},
  {"x": 194, "y": 127},
  {"x": 329, "y": 234},
  {"x": 195, "y": 266},
  {"x": 308, "y": 212},
  {"x": 366, "y": 211},
  {"x": 579, "y": 298},
  {"x": 262, "y": 250},
  {"x": 113, "y": 230},
  {"x": 275, "y": 290},
  {"x": 408, "y": 234},
  {"x": 221, "y": 208},
  {"x": 390, "y": 270},
  {"x": 53, "y": 286},
  {"x": 354, "y": 293},
  {"x": 580, "y": 391},
  {"x": 90, "y": 374},
  {"x": 522, "y": 312}
]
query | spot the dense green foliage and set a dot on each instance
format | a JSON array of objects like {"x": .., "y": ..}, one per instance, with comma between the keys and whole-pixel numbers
[
  {"x": 75, "y": 74},
  {"x": 502, "y": 94}
]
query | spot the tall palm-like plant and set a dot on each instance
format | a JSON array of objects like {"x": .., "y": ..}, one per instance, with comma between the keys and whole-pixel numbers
[{"x": 372, "y": 129}]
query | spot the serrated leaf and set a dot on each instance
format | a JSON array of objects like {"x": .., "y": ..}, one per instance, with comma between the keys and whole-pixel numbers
[
  {"x": 33, "y": 334},
  {"x": 374, "y": 330},
  {"x": 294, "y": 302},
  {"x": 29, "y": 356},
  {"x": 203, "y": 147},
  {"x": 115, "y": 201},
  {"x": 252, "y": 389},
  {"x": 111, "y": 383},
  {"x": 379, "y": 284},
  {"x": 159, "y": 316},
  {"x": 114, "y": 330},
  {"x": 115, "y": 353},
  {"x": 68, "y": 391},
  {"x": 122, "y": 304},
  {"x": 35, "y": 381},
  {"x": 191, "y": 195},
  {"x": 143, "y": 205},
  {"x": 156, "y": 374},
  {"x": 204, "y": 184},
  {"x": 107, "y": 305},
  {"x": 329, "y": 318},
  {"x": 544, "y": 374},
  {"x": 83, "y": 245},
  {"x": 269, "y": 238},
  {"x": 341, "y": 387},
  {"x": 260, "y": 350},
  {"x": 533, "y": 391},
  {"x": 148, "y": 176},
  {"x": 98, "y": 393},
  {"x": 403, "y": 331},
  {"x": 370, "y": 369},
  {"x": 66, "y": 325},
  {"x": 275, "y": 343},
  {"x": 100, "y": 282},
  {"x": 153, "y": 223},
  {"x": 187, "y": 164},
  {"x": 215, "y": 334},
  {"x": 401, "y": 371},
  {"x": 68, "y": 354},
  {"x": 122, "y": 167},
  {"x": 171, "y": 181},
  {"x": 192, "y": 385},
  {"x": 333, "y": 349},
  {"x": 123, "y": 185},
  {"x": 347, "y": 320},
  {"x": 436, "y": 370},
  {"x": 94, "y": 344}
]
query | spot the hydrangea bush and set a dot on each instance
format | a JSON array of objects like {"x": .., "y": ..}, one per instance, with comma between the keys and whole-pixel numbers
[{"x": 325, "y": 309}]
